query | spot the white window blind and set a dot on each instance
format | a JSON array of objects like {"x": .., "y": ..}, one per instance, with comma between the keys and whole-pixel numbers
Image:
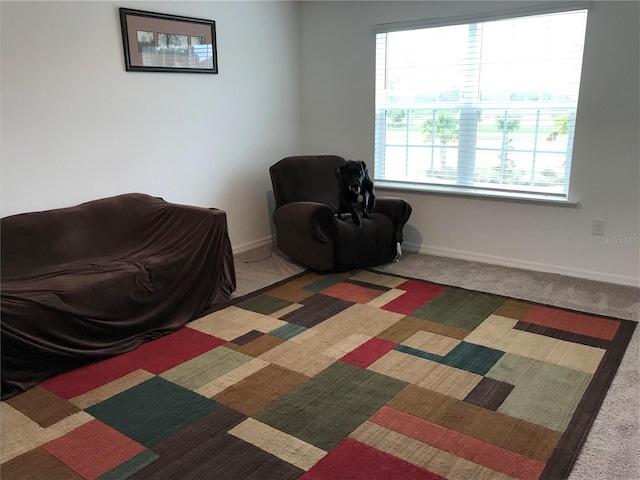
[{"x": 483, "y": 107}]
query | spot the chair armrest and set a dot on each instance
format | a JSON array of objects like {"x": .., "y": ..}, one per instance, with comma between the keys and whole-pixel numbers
[
  {"x": 397, "y": 209},
  {"x": 307, "y": 217}
]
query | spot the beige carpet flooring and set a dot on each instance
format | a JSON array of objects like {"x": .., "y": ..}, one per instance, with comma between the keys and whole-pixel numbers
[{"x": 612, "y": 448}]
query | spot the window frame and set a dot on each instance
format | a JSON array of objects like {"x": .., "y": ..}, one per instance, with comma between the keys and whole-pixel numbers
[{"x": 469, "y": 109}]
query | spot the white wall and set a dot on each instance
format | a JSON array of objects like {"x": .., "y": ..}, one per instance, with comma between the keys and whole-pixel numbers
[
  {"x": 76, "y": 126},
  {"x": 337, "y": 80}
]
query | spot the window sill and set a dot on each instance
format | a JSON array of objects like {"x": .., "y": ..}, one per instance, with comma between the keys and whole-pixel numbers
[{"x": 477, "y": 193}]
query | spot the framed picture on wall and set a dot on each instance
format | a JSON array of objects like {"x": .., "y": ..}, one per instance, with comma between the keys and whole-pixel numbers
[{"x": 156, "y": 42}]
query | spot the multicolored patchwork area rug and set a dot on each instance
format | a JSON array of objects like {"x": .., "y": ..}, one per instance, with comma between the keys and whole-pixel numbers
[{"x": 350, "y": 376}]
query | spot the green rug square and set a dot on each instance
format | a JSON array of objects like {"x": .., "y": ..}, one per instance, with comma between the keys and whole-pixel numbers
[
  {"x": 152, "y": 410},
  {"x": 325, "y": 282},
  {"x": 264, "y": 304},
  {"x": 472, "y": 358},
  {"x": 327, "y": 408},
  {"x": 459, "y": 308},
  {"x": 205, "y": 368},
  {"x": 288, "y": 331},
  {"x": 128, "y": 468}
]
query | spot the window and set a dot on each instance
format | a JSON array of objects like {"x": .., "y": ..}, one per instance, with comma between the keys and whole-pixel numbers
[{"x": 486, "y": 107}]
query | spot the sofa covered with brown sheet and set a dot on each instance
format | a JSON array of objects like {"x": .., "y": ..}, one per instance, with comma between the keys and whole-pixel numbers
[{"x": 84, "y": 283}]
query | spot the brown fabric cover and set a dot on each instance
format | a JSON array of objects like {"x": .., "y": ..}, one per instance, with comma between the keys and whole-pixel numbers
[
  {"x": 305, "y": 189},
  {"x": 88, "y": 282}
]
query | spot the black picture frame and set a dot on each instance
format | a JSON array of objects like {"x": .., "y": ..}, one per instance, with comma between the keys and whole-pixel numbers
[{"x": 158, "y": 42}]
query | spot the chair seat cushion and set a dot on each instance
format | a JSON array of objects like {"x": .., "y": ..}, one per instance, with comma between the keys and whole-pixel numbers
[{"x": 373, "y": 243}]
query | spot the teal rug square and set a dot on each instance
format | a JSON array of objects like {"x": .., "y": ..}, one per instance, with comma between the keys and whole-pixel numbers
[{"x": 152, "y": 410}]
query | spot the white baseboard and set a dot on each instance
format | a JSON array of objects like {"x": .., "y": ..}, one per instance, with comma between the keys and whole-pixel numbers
[
  {"x": 245, "y": 247},
  {"x": 482, "y": 258},
  {"x": 523, "y": 264}
]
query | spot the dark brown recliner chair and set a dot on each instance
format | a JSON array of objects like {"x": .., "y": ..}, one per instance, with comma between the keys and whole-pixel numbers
[{"x": 307, "y": 229}]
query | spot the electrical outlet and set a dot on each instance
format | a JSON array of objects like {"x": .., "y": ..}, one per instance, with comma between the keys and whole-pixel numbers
[{"x": 598, "y": 227}]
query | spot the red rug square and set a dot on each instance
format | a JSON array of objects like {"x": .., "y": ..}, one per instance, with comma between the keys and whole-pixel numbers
[
  {"x": 351, "y": 292},
  {"x": 572, "y": 322},
  {"x": 369, "y": 352},
  {"x": 93, "y": 449},
  {"x": 418, "y": 293},
  {"x": 352, "y": 460},
  {"x": 483, "y": 453},
  {"x": 156, "y": 357},
  {"x": 170, "y": 351}
]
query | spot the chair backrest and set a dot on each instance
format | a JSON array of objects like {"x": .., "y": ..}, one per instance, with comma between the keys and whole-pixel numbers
[{"x": 306, "y": 179}]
